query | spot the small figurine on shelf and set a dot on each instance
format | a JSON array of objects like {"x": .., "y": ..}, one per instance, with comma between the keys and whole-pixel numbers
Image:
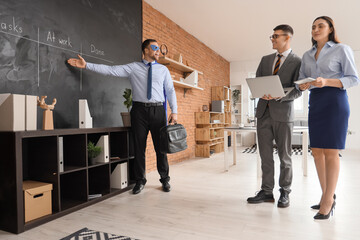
[
  {"x": 205, "y": 108},
  {"x": 48, "y": 122}
]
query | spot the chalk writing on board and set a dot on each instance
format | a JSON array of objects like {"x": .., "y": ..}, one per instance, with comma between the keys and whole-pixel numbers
[{"x": 13, "y": 27}]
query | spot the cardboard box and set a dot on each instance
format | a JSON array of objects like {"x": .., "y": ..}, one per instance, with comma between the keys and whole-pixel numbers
[{"x": 37, "y": 199}]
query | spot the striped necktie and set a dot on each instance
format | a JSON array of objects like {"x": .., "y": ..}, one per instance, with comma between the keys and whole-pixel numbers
[{"x": 277, "y": 64}]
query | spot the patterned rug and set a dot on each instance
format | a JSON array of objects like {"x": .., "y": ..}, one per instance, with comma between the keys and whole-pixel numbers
[
  {"x": 87, "y": 234},
  {"x": 295, "y": 150}
]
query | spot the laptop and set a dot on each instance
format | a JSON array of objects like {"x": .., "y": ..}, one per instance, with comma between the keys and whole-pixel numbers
[{"x": 261, "y": 86}]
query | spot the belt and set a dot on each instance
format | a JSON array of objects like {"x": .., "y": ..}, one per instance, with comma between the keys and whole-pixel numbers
[{"x": 156, "y": 104}]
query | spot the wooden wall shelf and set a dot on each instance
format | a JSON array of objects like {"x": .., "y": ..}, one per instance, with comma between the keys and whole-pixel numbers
[
  {"x": 185, "y": 85},
  {"x": 177, "y": 65}
]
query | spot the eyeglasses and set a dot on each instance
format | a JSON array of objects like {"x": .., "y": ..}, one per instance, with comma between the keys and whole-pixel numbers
[
  {"x": 276, "y": 36},
  {"x": 154, "y": 47}
]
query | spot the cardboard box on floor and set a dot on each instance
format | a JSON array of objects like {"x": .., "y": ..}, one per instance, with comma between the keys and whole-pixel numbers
[{"x": 37, "y": 199}]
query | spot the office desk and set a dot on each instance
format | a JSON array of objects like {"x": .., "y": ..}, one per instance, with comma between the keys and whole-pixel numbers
[{"x": 234, "y": 131}]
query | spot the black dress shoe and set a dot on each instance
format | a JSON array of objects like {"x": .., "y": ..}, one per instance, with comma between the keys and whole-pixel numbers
[
  {"x": 166, "y": 186},
  {"x": 320, "y": 216},
  {"x": 317, "y": 206},
  {"x": 284, "y": 200},
  {"x": 138, "y": 187},
  {"x": 260, "y": 197}
]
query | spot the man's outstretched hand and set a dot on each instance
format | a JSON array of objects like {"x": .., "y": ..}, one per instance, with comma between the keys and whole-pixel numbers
[{"x": 77, "y": 62}]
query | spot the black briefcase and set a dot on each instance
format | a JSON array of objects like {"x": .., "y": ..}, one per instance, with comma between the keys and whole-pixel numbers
[{"x": 173, "y": 138}]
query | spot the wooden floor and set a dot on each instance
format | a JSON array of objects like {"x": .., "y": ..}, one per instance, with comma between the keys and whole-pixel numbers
[{"x": 208, "y": 203}]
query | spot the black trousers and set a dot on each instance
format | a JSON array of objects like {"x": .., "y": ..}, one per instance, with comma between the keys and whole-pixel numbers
[{"x": 143, "y": 119}]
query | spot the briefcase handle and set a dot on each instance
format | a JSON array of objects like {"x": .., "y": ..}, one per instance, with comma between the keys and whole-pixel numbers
[{"x": 172, "y": 123}]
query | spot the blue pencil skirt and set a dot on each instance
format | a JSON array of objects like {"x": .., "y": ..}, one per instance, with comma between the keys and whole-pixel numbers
[{"x": 328, "y": 117}]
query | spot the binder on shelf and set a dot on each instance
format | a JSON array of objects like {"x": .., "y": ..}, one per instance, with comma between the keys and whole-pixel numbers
[
  {"x": 30, "y": 112},
  {"x": 93, "y": 196},
  {"x": 61, "y": 154},
  {"x": 104, "y": 144},
  {"x": 118, "y": 178},
  {"x": 85, "y": 119},
  {"x": 192, "y": 79},
  {"x": 12, "y": 112}
]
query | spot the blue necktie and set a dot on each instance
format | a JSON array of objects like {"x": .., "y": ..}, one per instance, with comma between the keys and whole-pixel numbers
[{"x": 149, "y": 82}]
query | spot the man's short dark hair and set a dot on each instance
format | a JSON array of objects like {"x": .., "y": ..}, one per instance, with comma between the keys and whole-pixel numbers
[
  {"x": 146, "y": 43},
  {"x": 285, "y": 28}
]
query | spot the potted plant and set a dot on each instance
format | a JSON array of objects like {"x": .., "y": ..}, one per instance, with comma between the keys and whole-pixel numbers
[
  {"x": 235, "y": 96},
  {"x": 93, "y": 152},
  {"x": 128, "y": 103}
]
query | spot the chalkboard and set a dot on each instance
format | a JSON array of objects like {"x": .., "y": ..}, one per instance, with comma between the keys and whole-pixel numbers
[{"x": 38, "y": 36}]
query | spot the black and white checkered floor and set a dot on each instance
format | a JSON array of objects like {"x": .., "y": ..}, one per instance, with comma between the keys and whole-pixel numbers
[{"x": 295, "y": 150}]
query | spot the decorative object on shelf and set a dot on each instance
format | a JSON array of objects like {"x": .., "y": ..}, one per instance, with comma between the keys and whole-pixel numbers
[
  {"x": 178, "y": 57},
  {"x": 163, "y": 49},
  {"x": 128, "y": 103},
  {"x": 93, "y": 152},
  {"x": 48, "y": 121},
  {"x": 235, "y": 96},
  {"x": 205, "y": 108},
  {"x": 236, "y": 111}
]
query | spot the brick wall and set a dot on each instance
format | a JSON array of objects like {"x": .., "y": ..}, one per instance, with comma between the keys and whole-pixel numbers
[{"x": 198, "y": 56}]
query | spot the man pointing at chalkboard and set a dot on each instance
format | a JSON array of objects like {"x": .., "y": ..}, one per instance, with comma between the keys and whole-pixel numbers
[{"x": 148, "y": 81}]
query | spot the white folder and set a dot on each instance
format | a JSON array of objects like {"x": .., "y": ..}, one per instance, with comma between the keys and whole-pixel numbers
[
  {"x": 118, "y": 178},
  {"x": 12, "y": 112},
  {"x": 104, "y": 144},
  {"x": 30, "y": 112},
  {"x": 85, "y": 119},
  {"x": 192, "y": 79},
  {"x": 61, "y": 154}
]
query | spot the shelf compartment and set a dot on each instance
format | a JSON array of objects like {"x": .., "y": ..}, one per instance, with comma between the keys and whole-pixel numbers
[
  {"x": 40, "y": 164},
  {"x": 74, "y": 151},
  {"x": 119, "y": 145},
  {"x": 99, "y": 180},
  {"x": 73, "y": 189},
  {"x": 203, "y": 150},
  {"x": 207, "y": 134}
]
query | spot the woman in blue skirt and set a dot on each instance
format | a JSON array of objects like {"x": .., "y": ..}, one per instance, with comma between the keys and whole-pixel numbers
[{"x": 332, "y": 66}]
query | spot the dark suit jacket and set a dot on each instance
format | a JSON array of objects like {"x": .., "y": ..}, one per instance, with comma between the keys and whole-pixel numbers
[{"x": 282, "y": 110}]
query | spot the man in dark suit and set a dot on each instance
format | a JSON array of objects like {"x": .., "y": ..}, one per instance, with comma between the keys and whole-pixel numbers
[{"x": 275, "y": 117}]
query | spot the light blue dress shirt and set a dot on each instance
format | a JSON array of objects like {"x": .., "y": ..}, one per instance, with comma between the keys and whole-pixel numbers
[
  {"x": 137, "y": 72},
  {"x": 334, "y": 61}
]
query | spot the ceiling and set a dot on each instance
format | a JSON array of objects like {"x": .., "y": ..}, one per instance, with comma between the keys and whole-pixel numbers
[{"x": 239, "y": 30}]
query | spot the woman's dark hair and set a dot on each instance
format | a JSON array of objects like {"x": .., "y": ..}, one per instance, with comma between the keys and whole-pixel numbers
[
  {"x": 332, "y": 36},
  {"x": 146, "y": 43}
]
